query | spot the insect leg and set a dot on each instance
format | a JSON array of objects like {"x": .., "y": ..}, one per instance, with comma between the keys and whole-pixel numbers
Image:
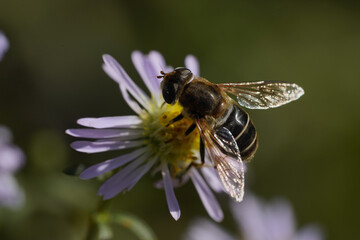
[
  {"x": 202, "y": 157},
  {"x": 202, "y": 151},
  {"x": 177, "y": 118},
  {"x": 193, "y": 165},
  {"x": 190, "y": 129}
]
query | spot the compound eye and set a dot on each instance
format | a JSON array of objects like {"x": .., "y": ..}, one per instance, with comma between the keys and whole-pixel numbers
[{"x": 169, "y": 93}]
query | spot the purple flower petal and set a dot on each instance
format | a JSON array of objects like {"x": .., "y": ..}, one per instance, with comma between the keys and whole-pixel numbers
[
  {"x": 147, "y": 73},
  {"x": 145, "y": 170},
  {"x": 11, "y": 158},
  {"x": 310, "y": 232},
  {"x": 158, "y": 63},
  {"x": 120, "y": 134},
  {"x": 279, "y": 219},
  {"x": 203, "y": 229},
  {"x": 169, "y": 193},
  {"x": 4, "y": 45},
  {"x": 116, "y": 72},
  {"x": 212, "y": 178},
  {"x": 104, "y": 145},
  {"x": 111, "y": 184},
  {"x": 249, "y": 216},
  {"x": 111, "y": 122},
  {"x": 130, "y": 100},
  {"x": 125, "y": 182},
  {"x": 108, "y": 165},
  {"x": 207, "y": 197},
  {"x": 192, "y": 63},
  {"x": 130, "y": 180},
  {"x": 10, "y": 193},
  {"x": 260, "y": 221}
]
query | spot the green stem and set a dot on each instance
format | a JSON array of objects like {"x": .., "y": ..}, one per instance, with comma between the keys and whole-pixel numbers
[
  {"x": 93, "y": 228},
  {"x": 134, "y": 224},
  {"x": 100, "y": 218}
]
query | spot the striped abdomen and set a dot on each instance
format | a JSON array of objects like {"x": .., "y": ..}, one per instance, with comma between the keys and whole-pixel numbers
[{"x": 243, "y": 130}]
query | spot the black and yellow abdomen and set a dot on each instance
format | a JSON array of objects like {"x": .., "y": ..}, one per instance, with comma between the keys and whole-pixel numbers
[{"x": 243, "y": 130}]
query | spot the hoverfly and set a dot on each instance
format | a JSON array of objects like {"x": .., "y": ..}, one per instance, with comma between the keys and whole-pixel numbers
[{"x": 227, "y": 133}]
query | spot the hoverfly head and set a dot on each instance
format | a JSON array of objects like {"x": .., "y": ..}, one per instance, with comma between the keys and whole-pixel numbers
[{"x": 174, "y": 82}]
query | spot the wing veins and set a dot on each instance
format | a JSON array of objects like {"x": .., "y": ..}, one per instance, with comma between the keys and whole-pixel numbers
[
  {"x": 264, "y": 94},
  {"x": 230, "y": 169}
]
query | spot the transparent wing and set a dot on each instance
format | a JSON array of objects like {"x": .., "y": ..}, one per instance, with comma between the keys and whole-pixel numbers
[
  {"x": 228, "y": 165},
  {"x": 263, "y": 94},
  {"x": 226, "y": 141}
]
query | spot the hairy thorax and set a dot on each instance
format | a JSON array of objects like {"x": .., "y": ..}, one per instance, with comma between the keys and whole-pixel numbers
[{"x": 201, "y": 98}]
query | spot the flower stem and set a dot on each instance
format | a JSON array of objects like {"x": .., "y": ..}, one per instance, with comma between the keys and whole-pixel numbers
[
  {"x": 93, "y": 223},
  {"x": 100, "y": 220},
  {"x": 135, "y": 225}
]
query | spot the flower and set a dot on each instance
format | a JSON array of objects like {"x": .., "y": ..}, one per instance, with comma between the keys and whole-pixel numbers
[
  {"x": 257, "y": 221},
  {"x": 155, "y": 144},
  {"x": 4, "y": 45},
  {"x": 11, "y": 160}
]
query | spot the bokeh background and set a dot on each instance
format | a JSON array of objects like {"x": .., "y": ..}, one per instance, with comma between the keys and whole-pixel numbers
[{"x": 309, "y": 149}]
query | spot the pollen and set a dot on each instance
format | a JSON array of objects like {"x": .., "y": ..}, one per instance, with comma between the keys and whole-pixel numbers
[{"x": 169, "y": 142}]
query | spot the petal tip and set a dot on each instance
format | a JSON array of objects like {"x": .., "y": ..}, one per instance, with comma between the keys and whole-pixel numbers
[
  {"x": 84, "y": 121},
  {"x": 84, "y": 175},
  {"x": 175, "y": 214},
  {"x": 136, "y": 53},
  {"x": 218, "y": 218},
  {"x": 106, "y": 57},
  {"x": 81, "y": 146},
  {"x": 70, "y": 132},
  {"x": 76, "y": 145}
]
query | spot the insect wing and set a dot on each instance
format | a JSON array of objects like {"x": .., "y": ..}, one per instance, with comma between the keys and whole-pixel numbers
[
  {"x": 225, "y": 139},
  {"x": 228, "y": 165},
  {"x": 263, "y": 94}
]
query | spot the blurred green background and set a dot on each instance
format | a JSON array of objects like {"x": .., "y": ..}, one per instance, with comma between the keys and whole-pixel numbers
[{"x": 309, "y": 149}]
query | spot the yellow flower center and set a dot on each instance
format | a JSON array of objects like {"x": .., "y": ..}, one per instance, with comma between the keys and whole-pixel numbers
[{"x": 169, "y": 143}]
